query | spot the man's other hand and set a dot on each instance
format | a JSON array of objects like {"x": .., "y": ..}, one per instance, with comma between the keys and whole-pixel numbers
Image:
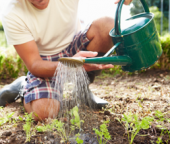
[
  {"x": 127, "y": 2},
  {"x": 92, "y": 67}
]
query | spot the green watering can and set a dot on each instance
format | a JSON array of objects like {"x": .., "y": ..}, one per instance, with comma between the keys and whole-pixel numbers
[{"x": 136, "y": 44}]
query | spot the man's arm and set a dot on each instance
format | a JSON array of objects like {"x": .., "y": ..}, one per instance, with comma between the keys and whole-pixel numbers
[{"x": 30, "y": 55}]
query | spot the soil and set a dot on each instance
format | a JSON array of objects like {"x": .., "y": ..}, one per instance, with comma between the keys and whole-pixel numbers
[{"x": 141, "y": 94}]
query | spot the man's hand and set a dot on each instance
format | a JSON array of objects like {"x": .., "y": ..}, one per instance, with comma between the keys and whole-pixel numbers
[
  {"x": 91, "y": 67},
  {"x": 127, "y": 2}
]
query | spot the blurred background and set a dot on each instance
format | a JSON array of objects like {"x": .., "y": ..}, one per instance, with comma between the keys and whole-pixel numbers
[
  {"x": 93, "y": 9},
  {"x": 90, "y": 10}
]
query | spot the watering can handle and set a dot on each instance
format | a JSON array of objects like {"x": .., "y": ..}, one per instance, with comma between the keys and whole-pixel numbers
[{"x": 118, "y": 15}]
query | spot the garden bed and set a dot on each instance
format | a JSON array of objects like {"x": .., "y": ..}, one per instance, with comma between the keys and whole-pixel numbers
[{"x": 146, "y": 94}]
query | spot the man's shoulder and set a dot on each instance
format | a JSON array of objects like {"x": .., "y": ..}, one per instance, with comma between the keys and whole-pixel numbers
[{"x": 12, "y": 8}]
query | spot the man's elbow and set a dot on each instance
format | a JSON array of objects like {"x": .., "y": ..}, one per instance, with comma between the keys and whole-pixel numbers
[{"x": 34, "y": 69}]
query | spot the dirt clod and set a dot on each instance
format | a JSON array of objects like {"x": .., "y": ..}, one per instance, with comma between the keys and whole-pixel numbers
[{"x": 6, "y": 134}]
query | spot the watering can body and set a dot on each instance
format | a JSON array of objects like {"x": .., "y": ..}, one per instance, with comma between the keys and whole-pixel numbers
[
  {"x": 136, "y": 42},
  {"x": 138, "y": 39}
]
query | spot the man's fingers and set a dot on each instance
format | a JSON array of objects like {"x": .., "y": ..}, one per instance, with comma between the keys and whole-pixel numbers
[
  {"x": 86, "y": 54},
  {"x": 117, "y": 1},
  {"x": 91, "y": 67},
  {"x": 127, "y": 2},
  {"x": 106, "y": 66}
]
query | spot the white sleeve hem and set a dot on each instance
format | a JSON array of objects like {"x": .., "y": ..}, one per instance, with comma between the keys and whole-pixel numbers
[{"x": 19, "y": 42}]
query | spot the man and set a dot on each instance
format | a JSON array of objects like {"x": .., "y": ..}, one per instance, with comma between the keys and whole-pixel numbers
[{"x": 41, "y": 32}]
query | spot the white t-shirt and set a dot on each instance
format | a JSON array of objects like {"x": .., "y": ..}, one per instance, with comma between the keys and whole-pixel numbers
[{"x": 52, "y": 28}]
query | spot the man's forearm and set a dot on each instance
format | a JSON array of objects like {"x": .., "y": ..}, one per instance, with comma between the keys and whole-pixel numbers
[
  {"x": 30, "y": 55},
  {"x": 43, "y": 69}
]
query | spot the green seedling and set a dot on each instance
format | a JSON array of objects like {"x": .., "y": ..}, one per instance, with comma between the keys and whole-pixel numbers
[
  {"x": 6, "y": 118},
  {"x": 168, "y": 132},
  {"x": 27, "y": 127},
  {"x": 102, "y": 135},
  {"x": 42, "y": 128},
  {"x": 159, "y": 140},
  {"x": 20, "y": 118},
  {"x": 75, "y": 121},
  {"x": 59, "y": 126},
  {"x": 164, "y": 130},
  {"x": 160, "y": 115},
  {"x": 48, "y": 127},
  {"x": 78, "y": 140},
  {"x": 61, "y": 130},
  {"x": 132, "y": 121}
]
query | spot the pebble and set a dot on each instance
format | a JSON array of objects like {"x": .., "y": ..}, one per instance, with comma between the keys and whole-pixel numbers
[{"x": 45, "y": 138}]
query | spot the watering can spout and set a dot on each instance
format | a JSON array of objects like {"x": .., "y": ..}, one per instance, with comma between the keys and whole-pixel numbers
[{"x": 115, "y": 60}]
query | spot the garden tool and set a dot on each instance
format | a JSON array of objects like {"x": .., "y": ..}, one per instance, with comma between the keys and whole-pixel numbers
[
  {"x": 136, "y": 40},
  {"x": 9, "y": 93}
]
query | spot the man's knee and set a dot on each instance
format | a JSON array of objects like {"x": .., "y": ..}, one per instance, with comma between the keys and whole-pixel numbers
[
  {"x": 43, "y": 108},
  {"x": 98, "y": 34},
  {"x": 100, "y": 27}
]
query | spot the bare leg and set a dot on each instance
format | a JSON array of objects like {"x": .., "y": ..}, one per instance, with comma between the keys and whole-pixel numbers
[
  {"x": 43, "y": 108},
  {"x": 98, "y": 34}
]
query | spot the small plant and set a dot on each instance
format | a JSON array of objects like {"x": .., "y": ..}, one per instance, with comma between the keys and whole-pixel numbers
[
  {"x": 48, "y": 127},
  {"x": 61, "y": 130},
  {"x": 164, "y": 130},
  {"x": 132, "y": 122},
  {"x": 102, "y": 135},
  {"x": 78, "y": 140},
  {"x": 159, "y": 115},
  {"x": 43, "y": 128},
  {"x": 27, "y": 126},
  {"x": 20, "y": 118},
  {"x": 59, "y": 126},
  {"x": 167, "y": 132},
  {"x": 159, "y": 140},
  {"x": 75, "y": 121},
  {"x": 6, "y": 118}
]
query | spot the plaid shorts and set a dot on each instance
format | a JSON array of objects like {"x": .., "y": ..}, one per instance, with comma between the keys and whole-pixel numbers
[{"x": 36, "y": 87}]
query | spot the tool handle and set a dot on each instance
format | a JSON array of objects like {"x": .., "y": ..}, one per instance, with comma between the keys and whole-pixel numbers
[
  {"x": 118, "y": 14},
  {"x": 115, "y": 60}
]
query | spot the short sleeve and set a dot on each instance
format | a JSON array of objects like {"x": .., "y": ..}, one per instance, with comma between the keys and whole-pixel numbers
[{"x": 16, "y": 30}]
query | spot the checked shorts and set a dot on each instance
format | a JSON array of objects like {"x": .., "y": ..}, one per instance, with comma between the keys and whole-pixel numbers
[{"x": 37, "y": 88}]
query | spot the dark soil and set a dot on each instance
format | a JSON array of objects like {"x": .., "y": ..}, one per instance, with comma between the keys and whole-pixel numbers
[{"x": 124, "y": 93}]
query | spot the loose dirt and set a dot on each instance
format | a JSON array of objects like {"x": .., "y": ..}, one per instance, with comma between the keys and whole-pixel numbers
[{"x": 140, "y": 94}]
